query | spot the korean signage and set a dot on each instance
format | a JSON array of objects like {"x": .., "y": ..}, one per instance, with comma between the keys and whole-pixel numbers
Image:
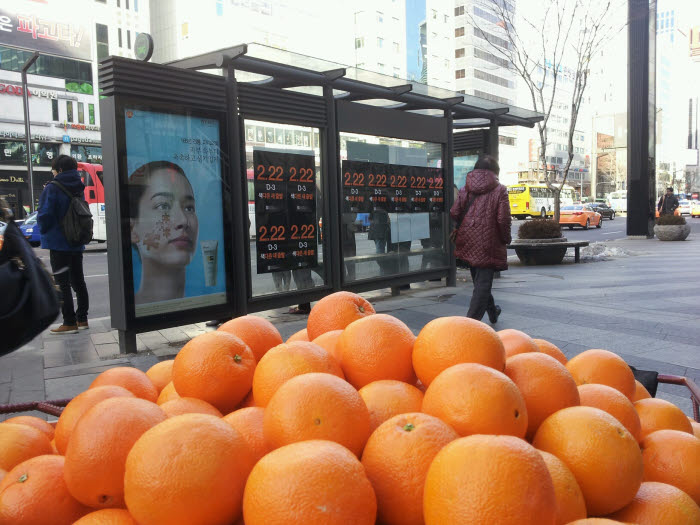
[
  {"x": 285, "y": 211},
  {"x": 14, "y": 153},
  {"x": 38, "y": 28},
  {"x": 393, "y": 188},
  {"x": 274, "y": 134},
  {"x": 11, "y": 89},
  {"x": 175, "y": 211}
]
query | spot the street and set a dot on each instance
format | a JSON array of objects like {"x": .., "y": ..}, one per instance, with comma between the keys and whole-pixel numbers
[{"x": 95, "y": 259}]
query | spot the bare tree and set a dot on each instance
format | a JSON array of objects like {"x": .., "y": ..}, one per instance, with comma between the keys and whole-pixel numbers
[{"x": 561, "y": 39}]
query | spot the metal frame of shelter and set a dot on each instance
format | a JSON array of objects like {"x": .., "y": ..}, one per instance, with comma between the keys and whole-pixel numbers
[{"x": 265, "y": 84}]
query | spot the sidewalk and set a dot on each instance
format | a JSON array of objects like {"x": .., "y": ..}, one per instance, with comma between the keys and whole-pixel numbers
[{"x": 643, "y": 306}]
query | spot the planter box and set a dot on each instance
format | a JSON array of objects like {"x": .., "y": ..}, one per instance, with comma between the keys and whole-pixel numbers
[
  {"x": 534, "y": 252},
  {"x": 676, "y": 232}
]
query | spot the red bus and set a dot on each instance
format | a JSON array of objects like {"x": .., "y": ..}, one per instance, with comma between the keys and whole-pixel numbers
[{"x": 91, "y": 175}]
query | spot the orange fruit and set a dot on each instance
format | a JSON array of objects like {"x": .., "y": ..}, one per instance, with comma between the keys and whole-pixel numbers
[
  {"x": 388, "y": 398},
  {"x": 248, "y": 401},
  {"x": 133, "y": 379},
  {"x": 614, "y": 403},
  {"x": 167, "y": 394},
  {"x": 19, "y": 443},
  {"x": 545, "y": 384},
  {"x": 329, "y": 342},
  {"x": 604, "y": 368},
  {"x": 301, "y": 335},
  {"x": 517, "y": 342},
  {"x": 476, "y": 399},
  {"x": 286, "y": 361},
  {"x": 602, "y": 455},
  {"x": 397, "y": 457},
  {"x": 640, "y": 392},
  {"x": 449, "y": 341},
  {"x": 489, "y": 479},
  {"x": 2, "y": 474},
  {"x": 107, "y": 517},
  {"x": 376, "y": 347},
  {"x": 317, "y": 406},
  {"x": 32, "y": 421},
  {"x": 98, "y": 447},
  {"x": 335, "y": 312},
  {"x": 312, "y": 482},
  {"x": 248, "y": 422},
  {"x": 596, "y": 521},
  {"x": 696, "y": 429},
  {"x": 258, "y": 333},
  {"x": 660, "y": 504},
  {"x": 77, "y": 406},
  {"x": 161, "y": 374},
  {"x": 190, "y": 469},
  {"x": 35, "y": 489},
  {"x": 570, "y": 503},
  {"x": 216, "y": 367},
  {"x": 673, "y": 457},
  {"x": 188, "y": 405},
  {"x": 658, "y": 414},
  {"x": 551, "y": 350}
]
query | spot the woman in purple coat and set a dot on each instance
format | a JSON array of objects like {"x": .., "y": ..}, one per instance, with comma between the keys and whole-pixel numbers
[{"x": 482, "y": 215}]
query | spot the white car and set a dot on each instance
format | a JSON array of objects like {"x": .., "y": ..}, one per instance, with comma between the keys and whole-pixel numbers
[{"x": 684, "y": 207}]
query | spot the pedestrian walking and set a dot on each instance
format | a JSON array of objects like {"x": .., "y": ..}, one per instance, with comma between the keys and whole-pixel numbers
[
  {"x": 66, "y": 256},
  {"x": 482, "y": 215},
  {"x": 667, "y": 203}
]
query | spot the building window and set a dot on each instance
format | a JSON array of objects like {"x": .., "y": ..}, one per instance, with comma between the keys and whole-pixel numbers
[
  {"x": 459, "y": 53},
  {"x": 508, "y": 141},
  {"x": 397, "y": 49},
  {"x": 69, "y": 110},
  {"x": 397, "y": 72},
  {"x": 434, "y": 14},
  {"x": 459, "y": 31},
  {"x": 488, "y": 57},
  {"x": 102, "y": 35},
  {"x": 185, "y": 30},
  {"x": 459, "y": 11},
  {"x": 91, "y": 112},
  {"x": 128, "y": 38},
  {"x": 136, "y": 6},
  {"x": 219, "y": 7},
  {"x": 119, "y": 36},
  {"x": 492, "y": 98},
  {"x": 359, "y": 42},
  {"x": 101, "y": 1},
  {"x": 496, "y": 41},
  {"x": 81, "y": 113},
  {"x": 380, "y": 17},
  {"x": 446, "y": 18},
  {"x": 380, "y": 42},
  {"x": 72, "y": 71},
  {"x": 119, "y": 3},
  {"x": 127, "y": 4},
  {"x": 381, "y": 67},
  {"x": 54, "y": 109},
  {"x": 460, "y": 73}
]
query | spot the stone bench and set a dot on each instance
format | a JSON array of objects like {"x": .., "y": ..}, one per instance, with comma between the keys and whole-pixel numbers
[{"x": 546, "y": 251}]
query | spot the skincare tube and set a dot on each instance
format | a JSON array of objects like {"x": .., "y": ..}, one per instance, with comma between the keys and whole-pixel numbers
[{"x": 209, "y": 253}]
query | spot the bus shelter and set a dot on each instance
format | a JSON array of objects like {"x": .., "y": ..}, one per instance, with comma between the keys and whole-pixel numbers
[{"x": 253, "y": 178}]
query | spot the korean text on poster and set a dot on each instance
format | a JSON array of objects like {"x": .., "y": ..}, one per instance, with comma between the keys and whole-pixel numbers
[{"x": 285, "y": 211}]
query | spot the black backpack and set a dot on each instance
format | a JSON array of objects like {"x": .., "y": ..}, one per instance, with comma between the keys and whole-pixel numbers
[{"x": 77, "y": 222}]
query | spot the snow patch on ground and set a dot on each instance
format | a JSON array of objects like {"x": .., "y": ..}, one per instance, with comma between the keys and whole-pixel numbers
[{"x": 595, "y": 252}]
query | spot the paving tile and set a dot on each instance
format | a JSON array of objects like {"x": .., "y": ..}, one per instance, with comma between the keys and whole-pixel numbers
[
  {"x": 108, "y": 351},
  {"x": 104, "y": 338}
]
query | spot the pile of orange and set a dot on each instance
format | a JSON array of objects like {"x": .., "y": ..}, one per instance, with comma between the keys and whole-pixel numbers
[{"x": 355, "y": 420}]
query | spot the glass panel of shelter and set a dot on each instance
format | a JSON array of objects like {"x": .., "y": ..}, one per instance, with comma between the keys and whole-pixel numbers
[
  {"x": 376, "y": 241},
  {"x": 269, "y": 271}
]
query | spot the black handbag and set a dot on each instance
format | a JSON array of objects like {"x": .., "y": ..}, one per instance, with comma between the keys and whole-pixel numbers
[{"x": 29, "y": 302}]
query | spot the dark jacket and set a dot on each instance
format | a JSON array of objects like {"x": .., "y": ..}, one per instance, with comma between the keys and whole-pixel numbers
[
  {"x": 53, "y": 206},
  {"x": 667, "y": 204},
  {"x": 485, "y": 230}
]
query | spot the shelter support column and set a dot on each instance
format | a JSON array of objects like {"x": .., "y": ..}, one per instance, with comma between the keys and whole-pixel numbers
[{"x": 493, "y": 139}]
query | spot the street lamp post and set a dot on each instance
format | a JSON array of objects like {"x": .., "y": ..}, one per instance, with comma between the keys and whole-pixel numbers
[{"x": 27, "y": 127}]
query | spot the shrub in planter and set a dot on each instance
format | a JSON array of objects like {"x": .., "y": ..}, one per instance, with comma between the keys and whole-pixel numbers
[
  {"x": 671, "y": 228},
  {"x": 539, "y": 229}
]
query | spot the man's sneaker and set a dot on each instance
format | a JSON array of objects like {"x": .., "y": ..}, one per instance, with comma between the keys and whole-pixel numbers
[
  {"x": 493, "y": 316},
  {"x": 83, "y": 325},
  {"x": 64, "y": 330}
]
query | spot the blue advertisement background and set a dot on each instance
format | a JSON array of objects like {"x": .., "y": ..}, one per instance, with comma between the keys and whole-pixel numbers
[{"x": 152, "y": 136}]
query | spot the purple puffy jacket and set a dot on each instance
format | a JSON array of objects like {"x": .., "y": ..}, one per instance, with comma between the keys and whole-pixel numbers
[{"x": 485, "y": 230}]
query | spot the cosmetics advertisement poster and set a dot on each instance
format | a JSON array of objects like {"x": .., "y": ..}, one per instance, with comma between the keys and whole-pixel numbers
[{"x": 176, "y": 214}]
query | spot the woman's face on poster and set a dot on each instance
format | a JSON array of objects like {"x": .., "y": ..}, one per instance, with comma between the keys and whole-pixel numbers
[{"x": 166, "y": 227}]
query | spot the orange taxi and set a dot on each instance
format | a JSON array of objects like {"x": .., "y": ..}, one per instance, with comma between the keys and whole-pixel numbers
[{"x": 579, "y": 215}]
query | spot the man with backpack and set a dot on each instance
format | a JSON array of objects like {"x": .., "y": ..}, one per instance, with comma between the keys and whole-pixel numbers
[{"x": 65, "y": 224}]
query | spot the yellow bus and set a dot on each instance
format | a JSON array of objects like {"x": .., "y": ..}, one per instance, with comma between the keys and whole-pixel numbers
[{"x": 536, "y": 200}]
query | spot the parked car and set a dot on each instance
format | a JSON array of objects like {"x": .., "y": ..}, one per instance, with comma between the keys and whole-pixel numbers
[
  {"x": 606, "y": 211},
  {"x": 684, "y": 207},
  {"x": 30, "y": 230},
  {"x": 695, "y": 209},
  {"x": 579, "y": 215}
]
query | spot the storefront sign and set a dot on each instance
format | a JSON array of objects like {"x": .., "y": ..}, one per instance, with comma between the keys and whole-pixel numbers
[
  {"x": 20, "y": 135},
  {"x": 11, "y": 89},
  {"x": 56, "y": 32},
  {"x": 84, "y": 127},
  {"x": 285, "y": 211},
  {"x": 393, "y": 188}
]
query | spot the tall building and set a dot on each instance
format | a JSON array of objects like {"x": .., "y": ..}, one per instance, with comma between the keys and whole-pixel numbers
[
  {"x": 380, "y": 36},
  {"x": 63, "y": 91}
]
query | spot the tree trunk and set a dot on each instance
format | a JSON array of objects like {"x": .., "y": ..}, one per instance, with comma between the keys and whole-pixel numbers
[{"x": 557, "y": 201}]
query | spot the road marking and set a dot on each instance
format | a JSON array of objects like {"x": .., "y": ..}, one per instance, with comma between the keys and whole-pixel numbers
[{"x": 610, "y": 233}]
